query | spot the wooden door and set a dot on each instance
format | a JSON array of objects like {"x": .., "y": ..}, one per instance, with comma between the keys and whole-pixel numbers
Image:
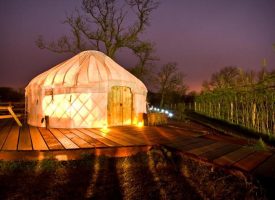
[{"x": 120, "y": 106}]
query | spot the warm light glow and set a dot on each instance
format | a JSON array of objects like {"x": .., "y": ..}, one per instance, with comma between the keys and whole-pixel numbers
[
  {"x": 61, "y": 157},
  {"x": 78, "y": 109},
  {"x": 127, "y": 122},
  {"x": 104, "y": 129},
  {"x": 135, "y": 121},
  {"x": 140, "y": 124}
]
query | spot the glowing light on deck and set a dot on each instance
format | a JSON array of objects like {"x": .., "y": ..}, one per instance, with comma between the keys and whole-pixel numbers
[
  {"x": 140, "y": 124},
  {"x": 61, "y": 157},
  {"x": 135, "y": 121},
  {"x": 105, "y": 129}
]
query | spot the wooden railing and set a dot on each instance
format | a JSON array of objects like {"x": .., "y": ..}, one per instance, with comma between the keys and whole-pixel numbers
[{"x": 13, "y": 110}]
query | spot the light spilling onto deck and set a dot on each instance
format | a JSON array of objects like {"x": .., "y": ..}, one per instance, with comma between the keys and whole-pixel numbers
[{"x": 61, "y": 157}]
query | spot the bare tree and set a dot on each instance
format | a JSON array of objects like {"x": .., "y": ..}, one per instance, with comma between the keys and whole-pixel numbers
[
  {"x": 102, "y": 26},
  {"x": 169, "y": 79},
  {"x": 225, "y": 78},
  {"x": 206, "y": 87},
  {"x": 145, "y": 54},
  {"x": 246, "y": 78}
]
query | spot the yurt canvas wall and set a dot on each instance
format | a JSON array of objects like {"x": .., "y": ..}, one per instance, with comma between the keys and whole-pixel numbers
[{"x": 88, "y": 90}]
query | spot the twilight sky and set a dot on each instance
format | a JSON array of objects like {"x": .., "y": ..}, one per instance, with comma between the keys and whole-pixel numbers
[{"x": 202, "y": 36}]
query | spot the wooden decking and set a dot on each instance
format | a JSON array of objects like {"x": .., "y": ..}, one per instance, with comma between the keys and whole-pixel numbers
[
  {"x": 193, "y": 142},
  {"x": 26, "y": 138}
]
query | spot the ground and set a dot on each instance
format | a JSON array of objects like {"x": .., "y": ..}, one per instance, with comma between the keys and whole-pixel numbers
[{"x": 159, "y": 173}]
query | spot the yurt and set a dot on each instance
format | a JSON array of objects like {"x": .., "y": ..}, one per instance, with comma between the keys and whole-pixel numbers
[{"x": 89, "y": 90}]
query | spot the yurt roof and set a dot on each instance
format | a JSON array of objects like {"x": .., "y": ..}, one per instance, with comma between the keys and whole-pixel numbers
[{"x": 84, "y": 69}]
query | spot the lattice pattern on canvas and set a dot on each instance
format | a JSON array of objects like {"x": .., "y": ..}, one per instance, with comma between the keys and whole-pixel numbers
[{"x": 81, "y": 109}]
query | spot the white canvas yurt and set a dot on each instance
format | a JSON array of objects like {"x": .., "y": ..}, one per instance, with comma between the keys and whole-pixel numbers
[{"x": 89, "y": 90}]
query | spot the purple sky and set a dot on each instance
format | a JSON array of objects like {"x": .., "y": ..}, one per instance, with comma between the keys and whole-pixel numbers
[{"x": 202, "y": 36}]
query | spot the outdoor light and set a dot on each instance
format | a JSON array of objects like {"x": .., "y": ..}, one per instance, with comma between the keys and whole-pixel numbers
[
  {"x": 140, "y": 124},
  {"x": 105, "y": 129},
  {"x": 135, "y": 121}
]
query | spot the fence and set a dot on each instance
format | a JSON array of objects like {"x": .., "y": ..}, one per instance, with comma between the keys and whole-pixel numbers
[{"x": 250, "y": 107}]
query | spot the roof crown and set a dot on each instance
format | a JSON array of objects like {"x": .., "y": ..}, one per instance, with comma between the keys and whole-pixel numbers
[{"x": 84, "y": 69}]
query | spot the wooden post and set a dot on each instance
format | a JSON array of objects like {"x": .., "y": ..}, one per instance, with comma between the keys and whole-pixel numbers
[
  {"x": 253, "y": 115},
  {"x": 268, "y": 130},
  {"x": 231, "y": 111},
  {"x": 236, "y": 111},
  {"x": 195, "y": 106},
  {"x": 219, "y": 110},
  {"x": 199, "y": 107},
  {"x": 273, "y": 120},
  {"x": 47, "y": 122},
  {"x": 14, "y": 116}
]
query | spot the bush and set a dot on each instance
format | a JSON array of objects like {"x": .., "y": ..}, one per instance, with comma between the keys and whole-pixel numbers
[{"x": 157, "y": 119}]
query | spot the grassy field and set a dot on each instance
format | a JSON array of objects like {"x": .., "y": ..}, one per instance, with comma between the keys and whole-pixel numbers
[{"x": 156, "y": 174}]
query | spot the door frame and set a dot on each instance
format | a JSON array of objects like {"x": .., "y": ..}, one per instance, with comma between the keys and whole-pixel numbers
[{"x": 109, "y": 99}]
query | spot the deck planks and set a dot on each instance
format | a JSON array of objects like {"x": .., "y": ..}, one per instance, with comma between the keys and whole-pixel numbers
[
  {"x": 196, "y": 143},
  {"x": 24, "y": 142},
  {"x": 233, "y": 157},
  {"x": 52, "y": 142},
  {"x": 128, "y": 134},
  {"x": 65, "y": 141},
  {"x": 77, "y": 140},
  {"x": 88, "y": 139},
  {"x": 4, "y": 132},
  {"x": 12, "y": 139},
  {"x": 204, "y": 149},
  {"x": 252, "y": 161},
  {"x": 37, "y": 139},
  {"x": 111, "y": 136},
  {"x": 225, "y": 149},
  {"x": 98, "y": 137}
]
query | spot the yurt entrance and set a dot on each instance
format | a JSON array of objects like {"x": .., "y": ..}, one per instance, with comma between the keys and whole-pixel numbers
[{"x": 120, "y": 106}]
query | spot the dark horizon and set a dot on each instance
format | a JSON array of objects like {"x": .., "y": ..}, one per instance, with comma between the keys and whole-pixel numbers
[{"x": 202, "y": 37}]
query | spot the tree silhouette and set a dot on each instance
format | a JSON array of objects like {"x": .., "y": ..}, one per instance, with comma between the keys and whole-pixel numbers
[
  {"x": 169, "y": 80},
  {"x": 104, "y": 25}
]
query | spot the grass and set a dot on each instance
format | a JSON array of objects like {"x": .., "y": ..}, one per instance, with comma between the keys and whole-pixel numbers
[
  {"x": 157, "y": 174},
  {"x": 260, "y": 145}
]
